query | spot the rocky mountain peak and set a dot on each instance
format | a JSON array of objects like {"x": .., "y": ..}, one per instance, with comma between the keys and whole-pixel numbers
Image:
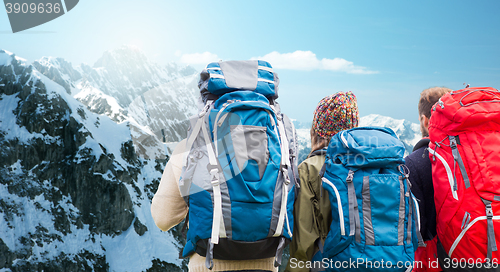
[
  {"x": 72, "y": 186},
  {"x": 127, "y": 56},
  {"x": 7, "y": 58},
  {"x": 59, "y": 70}
]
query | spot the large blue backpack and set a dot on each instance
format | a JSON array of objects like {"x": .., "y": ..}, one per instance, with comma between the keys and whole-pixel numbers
[
  {"x": 374, "y": 215},
  {"x": 240, "y": 166}
]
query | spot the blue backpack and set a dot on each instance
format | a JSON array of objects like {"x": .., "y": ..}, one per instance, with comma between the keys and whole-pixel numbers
[
  {"x": 239, "y": 171},
  {"x": 374, "y": 215}
]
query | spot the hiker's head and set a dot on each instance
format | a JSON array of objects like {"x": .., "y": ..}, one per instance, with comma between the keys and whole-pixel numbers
[
  {"x": 334, "y": 113},
  {"x": 428, "y": 98}
]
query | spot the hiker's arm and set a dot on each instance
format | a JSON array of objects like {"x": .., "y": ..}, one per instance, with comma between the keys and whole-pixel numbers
[
  {"x": 305, "y": 231},
  {"x": 418, "y": 191},
  {"x": 168, "y": 207}
]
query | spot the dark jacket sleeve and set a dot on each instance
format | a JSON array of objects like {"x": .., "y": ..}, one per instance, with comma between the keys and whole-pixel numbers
[{"x": 422, "y": 188}]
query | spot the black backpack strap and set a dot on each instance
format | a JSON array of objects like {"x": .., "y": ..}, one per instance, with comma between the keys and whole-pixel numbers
[
  {"x": 185, "y": 226},
  {"x": 184, "y": 232},
  {"x": 271, "y": 100}
]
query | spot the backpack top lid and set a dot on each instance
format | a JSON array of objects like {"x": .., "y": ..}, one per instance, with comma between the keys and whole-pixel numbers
[
  {"x": 461, "y": 110},
  {"x": 377, "y": 147},
  {"x": 252, "y": 97},
  {"x": 252, "y": 75}
]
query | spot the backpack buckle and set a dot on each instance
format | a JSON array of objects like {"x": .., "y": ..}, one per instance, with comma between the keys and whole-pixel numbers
[
  {"x": 214, "y": 174},
  {"x": 489, "y": 212},
  {"x": 285, "y": 174},
  {"x": 350, "y": 176},
  {"x": 205, "y": 109}
]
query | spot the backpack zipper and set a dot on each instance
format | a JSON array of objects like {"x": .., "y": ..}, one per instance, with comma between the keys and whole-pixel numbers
[
  {"x": 221, "y": 120},
  {"x": 461, "y": 235},
  {"x": 441, "y": 103},
  {"x": 448, "y": 172}
]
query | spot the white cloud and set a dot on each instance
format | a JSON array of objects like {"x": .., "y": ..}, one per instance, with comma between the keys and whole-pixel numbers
[
  {"x": 307, "y": 60},
  {"x": 199, "y": 58}
]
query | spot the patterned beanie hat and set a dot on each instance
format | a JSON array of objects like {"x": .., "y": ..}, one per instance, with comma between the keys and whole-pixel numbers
[{"x": 334, "y": 113}]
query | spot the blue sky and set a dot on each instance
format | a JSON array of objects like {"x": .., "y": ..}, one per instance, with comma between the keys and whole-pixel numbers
[{"x": 386, "y": 52}]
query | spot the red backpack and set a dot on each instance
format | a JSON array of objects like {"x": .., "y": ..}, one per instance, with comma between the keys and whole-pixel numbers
[{"x": 465, "y": 154}]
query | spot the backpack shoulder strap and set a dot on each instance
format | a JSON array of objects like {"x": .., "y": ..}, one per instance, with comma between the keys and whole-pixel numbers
[{"x": 196, "y": 130}]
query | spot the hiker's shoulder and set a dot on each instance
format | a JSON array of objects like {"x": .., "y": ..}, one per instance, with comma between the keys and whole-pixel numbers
[
  {"x": 418, "y": 155},
  {"x": 313, "y": 164}
]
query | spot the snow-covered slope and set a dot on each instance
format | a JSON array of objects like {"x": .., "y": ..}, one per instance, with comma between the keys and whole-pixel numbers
[
  {"x": 74, "y": 195},
  {"x": 166, "y": 109},
  {"x": 124, "y": 85}
]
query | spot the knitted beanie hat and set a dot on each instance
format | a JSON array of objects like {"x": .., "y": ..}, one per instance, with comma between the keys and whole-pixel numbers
[{"x": 334, "y": 113}]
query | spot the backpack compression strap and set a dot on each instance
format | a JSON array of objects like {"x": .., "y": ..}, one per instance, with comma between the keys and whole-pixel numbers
[
  {"x": 492, "y": 244},
  {"x": 196, "y": 130},
  {"x": 414, "y": 209},
  {"x": 354, "y": 221},
  {"x": 284, "y": 166},
  {"x": 454, "y": 140},
  {"x": 214, "y": 174}
]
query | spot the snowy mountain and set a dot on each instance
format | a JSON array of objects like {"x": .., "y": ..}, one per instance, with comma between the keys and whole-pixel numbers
[
  {"x": 124, "y": 85},
  {"x": 409, "y": 133},
  {"x": 75, "y": 190}
]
